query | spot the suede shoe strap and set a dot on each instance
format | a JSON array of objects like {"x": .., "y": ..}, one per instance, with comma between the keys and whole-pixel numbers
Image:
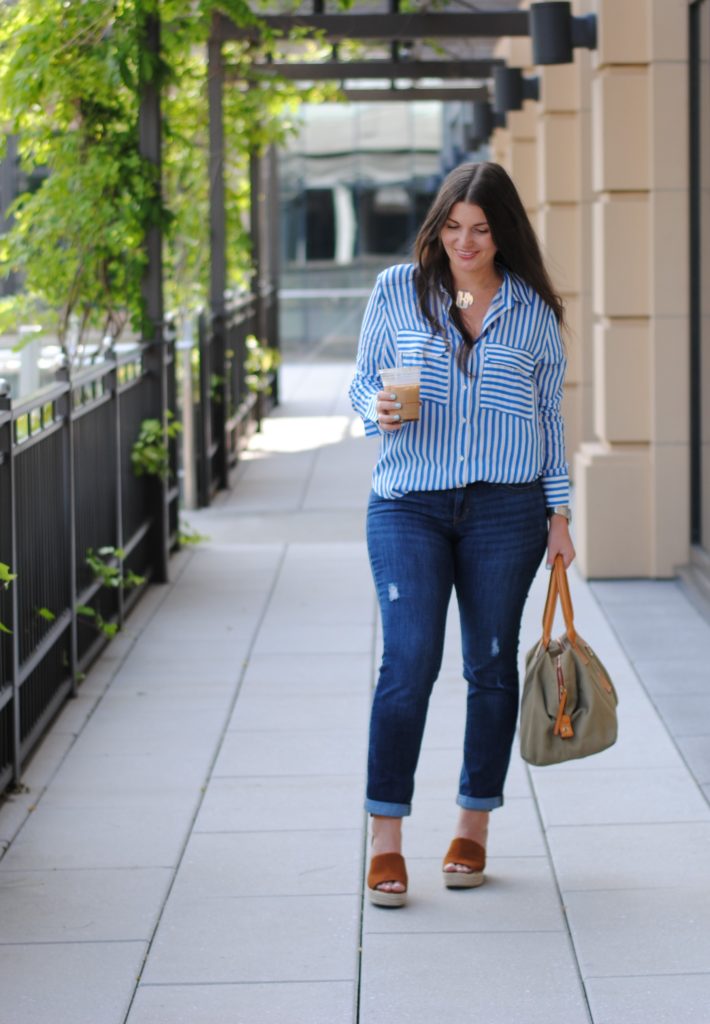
[{"x": 467, "y": 852}]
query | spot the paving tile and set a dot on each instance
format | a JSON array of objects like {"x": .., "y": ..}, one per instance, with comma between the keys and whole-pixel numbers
[
  {"x": 518, "y": 895},
  {"x": 696, "y": 753},
  {"x": 312, "y": 1002},
  {"x": 69, "y": 983},
  {"x": 596, "y": 796},
  {"x": 133, "y": 830},
  {"x": 307, "y": 752},
  {"x": 667, "y": 999},
  {"x": 640, "y": 931},
  {"x": 292, "y": 712},
  {"x": 308, "y": 674},
  {"x": 687, "y": 717},
  {"x": 226, "y": 865},
  {"x": 649, "y": 633},
  {"x": 509, "y": 977},
  {"x": 344, "y": 638},
  {"x": 80, "y": 906},
  {"x": 658, "y": 593},
  {"x": 639, "y": 856},
  {"x": 136, "y": 729},
  {"x": 291, "y": 938},
  {"x": 326, "y": 524},
  {"x": 275, "y": 803},
  {"x": 673, "y": 676},
  {"x": 180, "y": 647},
  {"x": 88, "y": 778}
]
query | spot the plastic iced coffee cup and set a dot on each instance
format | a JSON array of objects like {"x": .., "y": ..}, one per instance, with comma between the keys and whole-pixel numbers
[{"x": 403, "y": 381}]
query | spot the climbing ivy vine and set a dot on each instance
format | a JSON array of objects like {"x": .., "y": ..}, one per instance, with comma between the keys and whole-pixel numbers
[{"x": 71, "y": 73}]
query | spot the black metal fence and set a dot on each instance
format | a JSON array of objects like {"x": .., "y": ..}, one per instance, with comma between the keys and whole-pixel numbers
[
  {"x": 84, "y": 533},
  {"x": 228, "y": 411},
  {"x": 70, "y": 503}
]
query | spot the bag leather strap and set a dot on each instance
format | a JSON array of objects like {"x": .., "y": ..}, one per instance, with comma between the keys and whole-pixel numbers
[{"x": 558, "y": 587}]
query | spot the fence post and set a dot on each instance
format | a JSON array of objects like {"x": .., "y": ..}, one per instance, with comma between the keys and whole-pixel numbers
[
  {"x": 112, "y": 379},
  {"x": 272, "y": 317},
  {"x": 188, "y": 438},
  {"x": 6, "y": 406},
  {"x": 218, "y": 246},
  {"x": 150, "y": 138},
  {"x": 64, "y": 408}
]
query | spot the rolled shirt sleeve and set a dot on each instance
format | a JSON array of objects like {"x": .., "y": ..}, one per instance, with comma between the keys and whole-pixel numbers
[
  {"x": 375, "y": 349},
  {"x": 549, "y": 380}
]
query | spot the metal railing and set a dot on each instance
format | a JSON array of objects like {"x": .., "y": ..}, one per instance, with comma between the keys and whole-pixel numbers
[
  {"x": 225, "y": 412},
  {"x": 68, "y": 489}
]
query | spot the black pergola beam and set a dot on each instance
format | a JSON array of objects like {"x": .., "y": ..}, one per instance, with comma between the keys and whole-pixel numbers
[
  {"x": 408, "y": 95},
  {"x": 385, "y": 27},
  {"x": 339, "y": 70}
]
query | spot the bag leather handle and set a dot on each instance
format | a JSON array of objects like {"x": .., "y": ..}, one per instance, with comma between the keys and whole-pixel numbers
[{"x": 558, "y": 587}]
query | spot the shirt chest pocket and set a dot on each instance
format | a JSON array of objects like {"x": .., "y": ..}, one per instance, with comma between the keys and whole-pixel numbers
[
  {"x": 507, "y": 384},
  {"x": 417, "y": 348}
]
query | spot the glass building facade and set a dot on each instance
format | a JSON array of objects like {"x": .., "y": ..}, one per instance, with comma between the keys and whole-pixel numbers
[{"x": 355, "y": 184}]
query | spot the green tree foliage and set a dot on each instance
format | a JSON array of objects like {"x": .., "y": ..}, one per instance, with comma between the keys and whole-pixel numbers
[{"x": 71, "y": 73}]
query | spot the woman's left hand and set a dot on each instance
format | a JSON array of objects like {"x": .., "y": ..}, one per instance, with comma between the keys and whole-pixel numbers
[{"x": 559, "y": 542}]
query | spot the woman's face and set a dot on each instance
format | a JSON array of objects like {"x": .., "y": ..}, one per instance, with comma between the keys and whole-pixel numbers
[{"x": 467, "y": 239}]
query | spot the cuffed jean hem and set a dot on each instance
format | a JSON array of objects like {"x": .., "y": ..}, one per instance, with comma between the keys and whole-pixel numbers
[
  {"x": 479, "y": 803},
  {"x": 385, "y": 810}
]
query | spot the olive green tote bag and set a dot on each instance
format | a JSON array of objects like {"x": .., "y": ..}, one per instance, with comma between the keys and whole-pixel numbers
[{"x": 569, "y": 702}]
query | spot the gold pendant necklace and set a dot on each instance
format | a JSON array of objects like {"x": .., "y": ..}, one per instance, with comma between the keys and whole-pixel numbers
[{"x": 464, "y": 299}]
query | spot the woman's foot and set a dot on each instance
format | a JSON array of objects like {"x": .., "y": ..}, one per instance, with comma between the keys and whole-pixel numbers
[
  {"x": 387, "y": 838},
  {"x": 471, "y": 825}
]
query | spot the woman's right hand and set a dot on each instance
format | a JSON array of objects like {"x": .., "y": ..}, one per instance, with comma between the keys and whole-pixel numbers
[{"x": 388, "y": 415}]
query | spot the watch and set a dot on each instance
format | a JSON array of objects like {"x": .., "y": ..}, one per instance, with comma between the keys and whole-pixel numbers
[{"x": 560, "y": 510}]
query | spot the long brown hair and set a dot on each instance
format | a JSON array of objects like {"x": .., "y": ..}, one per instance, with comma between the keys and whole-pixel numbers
[{"x": 489, "y": 186}]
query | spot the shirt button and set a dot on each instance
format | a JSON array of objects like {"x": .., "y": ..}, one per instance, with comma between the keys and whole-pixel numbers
[{"x": 460, "y": 458}]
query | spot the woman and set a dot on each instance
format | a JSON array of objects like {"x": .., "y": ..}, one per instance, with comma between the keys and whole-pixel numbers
[{"x": 467, "y": 497}]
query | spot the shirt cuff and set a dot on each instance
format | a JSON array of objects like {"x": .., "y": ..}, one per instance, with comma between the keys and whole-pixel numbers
[
  {"x": 556, "y": 490},
  {"x": 372, "y": 427}
]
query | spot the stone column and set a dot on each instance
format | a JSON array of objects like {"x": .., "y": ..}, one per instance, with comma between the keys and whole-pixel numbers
[
  {"x": 633, "y": 480},
  {"x": 563, "y": 200}
]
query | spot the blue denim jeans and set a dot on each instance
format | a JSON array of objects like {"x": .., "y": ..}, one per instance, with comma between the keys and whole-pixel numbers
[{"x": 486, "y": 542}]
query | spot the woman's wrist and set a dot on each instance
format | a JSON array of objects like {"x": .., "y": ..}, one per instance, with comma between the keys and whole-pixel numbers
[{"x": 559, "y": 512}]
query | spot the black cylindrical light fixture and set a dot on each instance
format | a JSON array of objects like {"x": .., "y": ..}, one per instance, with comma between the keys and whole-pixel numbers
[
  {"x": 507, "y": 89},
  {"x": 555, "y": 32},
  {"x": 484, "y": 120},
  {"x": 510, "y": 88}
]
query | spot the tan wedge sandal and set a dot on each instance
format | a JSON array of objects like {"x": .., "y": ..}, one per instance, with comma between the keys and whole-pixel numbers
[
  {"x": 387, "y": 867},
  {"x": 472, "y": 855}
]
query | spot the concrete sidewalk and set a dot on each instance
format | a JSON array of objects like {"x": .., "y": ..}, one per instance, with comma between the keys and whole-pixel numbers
[{"x": 191, "y": 845}]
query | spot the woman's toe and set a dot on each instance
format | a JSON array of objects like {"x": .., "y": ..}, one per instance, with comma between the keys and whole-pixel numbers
[{"x": 457, "y": 867}]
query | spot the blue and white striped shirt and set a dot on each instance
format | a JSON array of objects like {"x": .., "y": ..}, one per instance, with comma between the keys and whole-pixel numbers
[{"x": 499, "y": 422}]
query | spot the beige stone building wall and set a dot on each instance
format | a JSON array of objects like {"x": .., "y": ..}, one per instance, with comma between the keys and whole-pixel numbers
[{"x": 611, "y": 150}]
